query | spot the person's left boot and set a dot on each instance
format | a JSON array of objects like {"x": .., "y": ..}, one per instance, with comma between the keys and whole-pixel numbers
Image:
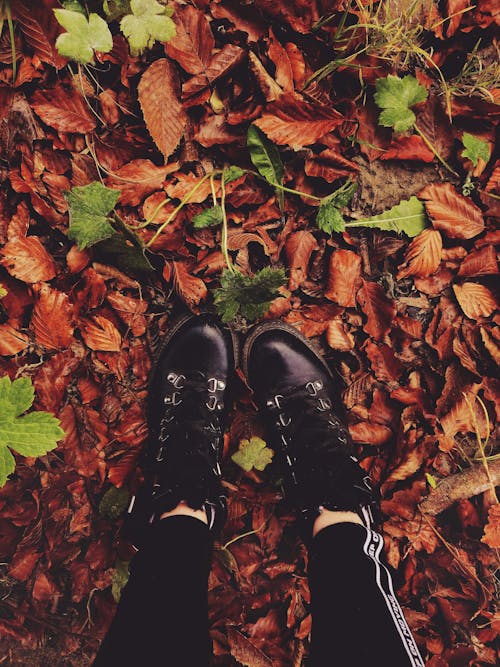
[{"x": 186, "y": 414}]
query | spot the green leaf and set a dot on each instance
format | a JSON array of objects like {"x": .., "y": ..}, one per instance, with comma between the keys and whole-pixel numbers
[
  {"x": 119, "y": 578},
  {"x": 124, "y": 253},
  {"x": 253, "y": 453},
  {"x": 395, "y": 96},
  {"x": 249, "y": 296},
  {"x": 329, "y": 218},
  {"x": 113, "y": 503},
  {"x": 148, "y": 22},
  {"x": 265, "y": 156},
  {"x": 74, "y": 6},
  {"x": 33, "y": 434},
  {"x": 431, "y": 480},
  {"x": 232, "y": 173},
  {"x": 475, "y": 148},
  {"x": 89, "y": 205},
  {"x": 3, "y": 291},
  {"x": 208, "y": 218},
  {"x": 406, "y": 217},
  {"x": 83, "y": 36},
  {"x": 114, "y": 9}
]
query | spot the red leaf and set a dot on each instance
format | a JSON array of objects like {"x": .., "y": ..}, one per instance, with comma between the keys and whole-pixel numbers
[
  {"x": 101, "y": 334},
  {"x": 423, "y": 255},
  {"x": 452, "y": 213},
  {"x": 482, "y": 262},
  {"x": 294, "y": 122},
  {"x": 64, "y": 109},
  {"x": 330, "y": 164},
  {"x": 344, "y": 277},
  {"x": 193, "y": 42},
  {"x": 11, "y": 340},
  {"x": 408, "y": 148},
  {"x": 40, "y": 29},
  {"x": 138, "y": 178},
  {"x": 191, "y": 289},
  {"x": 165, "y": 118},
  {"x": 51, "y": 319},
  {"x": 220, "y": 65},
  {"x": 299, "y": 247},
  {"x": 245, "y": 652},
  {"x": 23, "y": 563},
  {"x": 491, "y": 535},
  {"x": 378, "y": 308},
  {"x": 337, "y": 336},
  {"x": 130, "y": 310},
  {"x": 386, "y": 367},
  {"x": 26, "y": 259},
  {"x": 369, "y": 433}
]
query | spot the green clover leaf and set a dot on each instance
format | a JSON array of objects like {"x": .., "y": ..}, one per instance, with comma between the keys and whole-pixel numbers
[
  {"x": 253, "y": 453},
  {"x": 395, "y": 96},
  {"x": 148, "y": 22},
  {"x": 83, "y": 36}
]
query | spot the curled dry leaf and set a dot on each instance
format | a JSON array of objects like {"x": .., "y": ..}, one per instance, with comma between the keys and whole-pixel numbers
[
  {"x": 369, "y": 433},
  {"x": 129, "y": 310},
  {"x": 191, "y": 289},
  {"x": 245, "y": 652},
  {"x": 452, "y": 213},
  {"x": 299, "y": 247},
  {"x": 491, "y": 535},
  {"x": 482, "y": 262},
  {"x": 52, "y": 319},
  {"x": 423, "y": 255},
  {"x": 378, "y": 308},
  {"x": 26, "y": 259},
  {"x": 11, "y": 340},
  {"x": 138, "y": 178},
  {"x": 63, "y": 109},
  {"x": 337, "y": 336},
  {"x": 343, "y": 278},
  {"x": 193, "y": 43},
  {"x": 165, "y": 118},
  {"x": 475, "y": 300},
  {"x": 100, "y": 334},
  {"x": 294, "y": 122}
]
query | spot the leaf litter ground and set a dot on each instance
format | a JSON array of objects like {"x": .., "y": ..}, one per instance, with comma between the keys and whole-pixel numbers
[{"x": 409, "y": 324}]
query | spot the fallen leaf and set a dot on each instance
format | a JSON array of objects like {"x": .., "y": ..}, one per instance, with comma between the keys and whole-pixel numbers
[
  {"x": 452, "y": 213},
  {"x": 482, "y": 262},
  {"x": 11, "y": 340},
  {"x": 191, "y": 289},
  {"x": 129, "y": 310},
  {"x": 26, "y": 259},
  {"x": 299, "y": 248},
  {"x": 337, "y": 336},
  {"x": 378, "y": 308},
  {"x": 245, "y": 652},
  {"x": 344, "y": 277},
  {"x": 64, "y": 109},
  {"x": 491, "y": 535},
  {"x": 193, "y": 43},
  {"x": 52, "y": 319},
  {"x": 423, "y": 255},
  {"x": 475, "y": 300},
  {"x": 99, "y": 333},
  {"x": 165, "y": 118}
]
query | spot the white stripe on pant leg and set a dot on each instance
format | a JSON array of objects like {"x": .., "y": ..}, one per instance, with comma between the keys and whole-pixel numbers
[{"x": 372, "y": 548}]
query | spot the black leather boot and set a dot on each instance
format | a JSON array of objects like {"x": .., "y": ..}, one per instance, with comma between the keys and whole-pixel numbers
[
  {"x": 186, "y": 415},
  {"x": 299, "y": 399}
]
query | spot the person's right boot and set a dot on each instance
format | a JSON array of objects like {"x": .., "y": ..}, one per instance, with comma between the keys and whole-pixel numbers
[{"x": 295, "y": 392}]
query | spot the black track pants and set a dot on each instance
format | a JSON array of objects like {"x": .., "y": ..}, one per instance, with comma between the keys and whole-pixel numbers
[{"x": 161, "y": 620}]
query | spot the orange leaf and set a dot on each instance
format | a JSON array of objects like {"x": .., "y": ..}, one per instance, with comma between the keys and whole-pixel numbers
[
  {"x": 244, "y": 651},
  {"x": 491, "y": 535},
  {"x": 369, "y": 433},
  {"x": 481, "y": 262},
  {"x": 11, "y": 341},
  {"x": 191, "y": 289},
  {"x": 138, "y": 178},
  {"x": 51, "y": 319},
  {"x": 452, "y": 213},
  {"x": 101, "y": 334},
  {"x": 378, "y": 308},
  {"x": 299, "y": 247},
  {"x": 344, "y": 277},
  {"x": 475, "y": 300},
  {"x": 130, "y": 310},
  {"x": 408, "y": 148},
  {"x": 63, "y": 109},
  {"x": 193, "y": 42},
  {"x": 165, "y": 118},
  {"x": 386, "y": 366},
  {"x": 423, "y": 255},
  {"x": 27, "y": 260},
  {"x": 294, "y": 122},
  {"x": 338, "y": 338}
]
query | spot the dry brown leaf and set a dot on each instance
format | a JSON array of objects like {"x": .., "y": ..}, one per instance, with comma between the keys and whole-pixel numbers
[
  {"x": 378, "y": 308},
  {"x": 491, "y": 535},
  {"x": 482, "y": 262},
  {"x": 138, "y": 178},
  {"x": 52, "y": 319},
  {"x": 193, "y": 43},
  {"x": 99, "y": 333},
  {"x": 294, "y": 122},
  {"x": 452, "y": 213},
  {"x": 245, "y": 652},
  {"x": 26, "y": 259},
  {"x": 165, "y": 118},
  {"x": 369, "y": 433},
  {"x": 64, "y": 109},
  {"x": 191, "y": 289},
  {"x": 337, "y": 336},
  {"x": 344, "y": 277},
  {"x": 299, "y": 247},
  {"x": 475, "y": 300},
  {"x": 129, "y": 310},
  {"x": 423, "y": 255},
  {"x": 11, "y": 340}
]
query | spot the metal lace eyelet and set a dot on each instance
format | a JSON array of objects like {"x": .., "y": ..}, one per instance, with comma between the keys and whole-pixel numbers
[
  {"x": 212, "y": 402},
  {"x": 214, "y": 384},
  {"x": 173, "y": 399},
  {"x": 311, "y": 388},
  {"x": 284, "y": 420},
  {"x": 217, "y": 471},
  {"x": 284, "y": 442},
  {"x": 159, "y": 456},
  {"x": 324, "y": 404}
]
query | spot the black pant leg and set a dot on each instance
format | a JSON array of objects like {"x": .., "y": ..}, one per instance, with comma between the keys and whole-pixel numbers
[
  {"x": 356, "y": 618},
  {"x": 162, "y": 617}
]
